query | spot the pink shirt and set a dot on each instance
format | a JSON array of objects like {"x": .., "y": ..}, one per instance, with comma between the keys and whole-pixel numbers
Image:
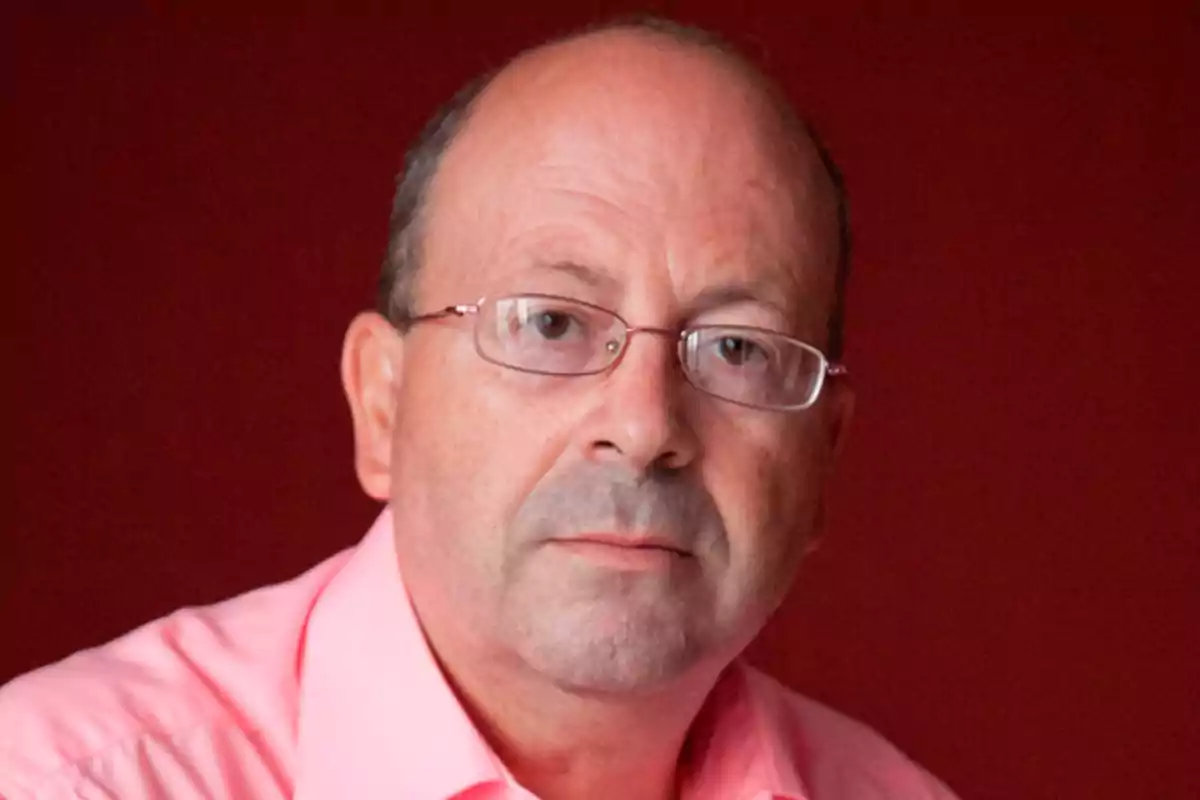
[{"x": 323, "y": 688}]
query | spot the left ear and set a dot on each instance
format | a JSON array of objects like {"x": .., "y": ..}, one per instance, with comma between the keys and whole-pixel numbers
[
  {"x": 839, "y": 411},
  {"x": 372, "y": 355}
]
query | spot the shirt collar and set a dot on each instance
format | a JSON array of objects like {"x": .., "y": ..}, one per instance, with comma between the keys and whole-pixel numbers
[
  {"x": 378, "y": 720},
  {"x": 376, "y": 717},
  {"x": 741, "y": 745}
]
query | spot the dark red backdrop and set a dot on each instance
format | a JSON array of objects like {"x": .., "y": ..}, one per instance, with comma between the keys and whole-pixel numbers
[{"x": 1010, "y": 583}]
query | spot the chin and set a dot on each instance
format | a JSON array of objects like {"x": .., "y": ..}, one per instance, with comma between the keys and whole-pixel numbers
[{"x": 587, "y": 650}]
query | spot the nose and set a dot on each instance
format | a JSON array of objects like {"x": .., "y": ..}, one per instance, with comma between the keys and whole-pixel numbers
[{"x": 640, "y": 419}]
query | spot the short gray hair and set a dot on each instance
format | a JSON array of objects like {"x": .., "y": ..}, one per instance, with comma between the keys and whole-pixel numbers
[{"x": 397, "y": 279}]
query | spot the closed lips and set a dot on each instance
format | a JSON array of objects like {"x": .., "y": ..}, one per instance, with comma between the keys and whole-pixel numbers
[{"x": 630, "y": 542}]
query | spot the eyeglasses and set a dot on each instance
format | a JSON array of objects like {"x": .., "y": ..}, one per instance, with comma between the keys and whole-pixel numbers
[{"x": 550, "y": 335}]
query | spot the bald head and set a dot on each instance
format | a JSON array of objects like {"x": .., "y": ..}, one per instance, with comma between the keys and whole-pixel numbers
[{"x": 648, "y": 87}]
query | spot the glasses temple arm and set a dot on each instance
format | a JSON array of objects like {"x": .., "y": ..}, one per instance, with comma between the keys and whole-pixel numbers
[{"x": 448, "y": 311}]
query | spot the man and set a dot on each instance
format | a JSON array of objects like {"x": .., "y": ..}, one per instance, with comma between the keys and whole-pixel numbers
[{"x": 602, "y": 407}]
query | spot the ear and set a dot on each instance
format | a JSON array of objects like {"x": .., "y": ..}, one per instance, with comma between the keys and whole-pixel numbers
[
  {"x": 371, "y": 361},
  {"x": 839, "y": 410}
]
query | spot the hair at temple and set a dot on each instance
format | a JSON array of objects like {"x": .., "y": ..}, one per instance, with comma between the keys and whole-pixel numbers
[{"x": 402, "y": 260}]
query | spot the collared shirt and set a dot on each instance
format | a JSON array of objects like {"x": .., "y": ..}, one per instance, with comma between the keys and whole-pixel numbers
[{"x": 323, "y": 688}]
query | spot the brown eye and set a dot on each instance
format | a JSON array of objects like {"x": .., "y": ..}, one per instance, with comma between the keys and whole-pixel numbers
[
  {"x": 737, "y": 351},
  {"x": 552, "y": 324}
]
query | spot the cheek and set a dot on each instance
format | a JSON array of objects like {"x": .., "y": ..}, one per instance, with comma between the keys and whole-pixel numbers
[
  {"x": 472, "y": 442},
  {"x": 766, "y": 477},
  {"x": 463, "y": 462}
]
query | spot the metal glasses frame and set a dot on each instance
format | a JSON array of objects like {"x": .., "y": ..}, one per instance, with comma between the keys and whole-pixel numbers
[{"x": 829, "y": 368}]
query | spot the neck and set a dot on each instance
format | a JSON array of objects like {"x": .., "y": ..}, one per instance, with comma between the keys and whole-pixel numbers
[{"x": 565, "y": 744}]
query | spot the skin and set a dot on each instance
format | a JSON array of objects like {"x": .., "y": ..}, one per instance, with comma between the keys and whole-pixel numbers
[{"x": 667, "y": 178}]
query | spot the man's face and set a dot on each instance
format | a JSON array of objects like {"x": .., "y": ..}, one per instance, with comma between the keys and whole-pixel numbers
[{"x": 660, "y": 187}]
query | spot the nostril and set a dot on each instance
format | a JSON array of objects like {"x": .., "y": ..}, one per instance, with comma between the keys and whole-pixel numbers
[{"x": 670, "y": 464}]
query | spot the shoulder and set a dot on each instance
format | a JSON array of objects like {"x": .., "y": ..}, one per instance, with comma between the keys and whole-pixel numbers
[
  {"x": 839, "y": 757},
  {"x": 176, "y": 702}
]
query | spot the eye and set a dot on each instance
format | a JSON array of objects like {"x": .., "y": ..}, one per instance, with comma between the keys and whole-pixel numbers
[
  {"x": 553, "y": 324},
  {"x": 541, "y": 322},
  {"x": 739, "y": 351}
]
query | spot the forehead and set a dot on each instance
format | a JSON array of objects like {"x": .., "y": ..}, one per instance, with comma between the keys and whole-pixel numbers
[{"x": 658, "y": 153}]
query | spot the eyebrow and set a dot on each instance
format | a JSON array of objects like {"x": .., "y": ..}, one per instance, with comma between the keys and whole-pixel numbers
[
  {"x": 760, "y": 293},
  {"x": 589, "y": 275},
  {"x": 767, "y": 294}
]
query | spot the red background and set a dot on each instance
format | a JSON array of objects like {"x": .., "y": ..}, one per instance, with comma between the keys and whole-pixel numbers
[{"x": 198, "y": 206}]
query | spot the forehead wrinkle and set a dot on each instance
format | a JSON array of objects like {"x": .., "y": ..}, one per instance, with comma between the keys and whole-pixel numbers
[{"x": 574, "y": 229}]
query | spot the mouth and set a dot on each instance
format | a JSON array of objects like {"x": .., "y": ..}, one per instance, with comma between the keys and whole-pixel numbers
[{"x": 623, "y": 551}]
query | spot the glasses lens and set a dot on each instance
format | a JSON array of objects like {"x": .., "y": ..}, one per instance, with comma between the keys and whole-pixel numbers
[
  {"x": 752, "y": 366},
  {"x": 549, "y": 335}
]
